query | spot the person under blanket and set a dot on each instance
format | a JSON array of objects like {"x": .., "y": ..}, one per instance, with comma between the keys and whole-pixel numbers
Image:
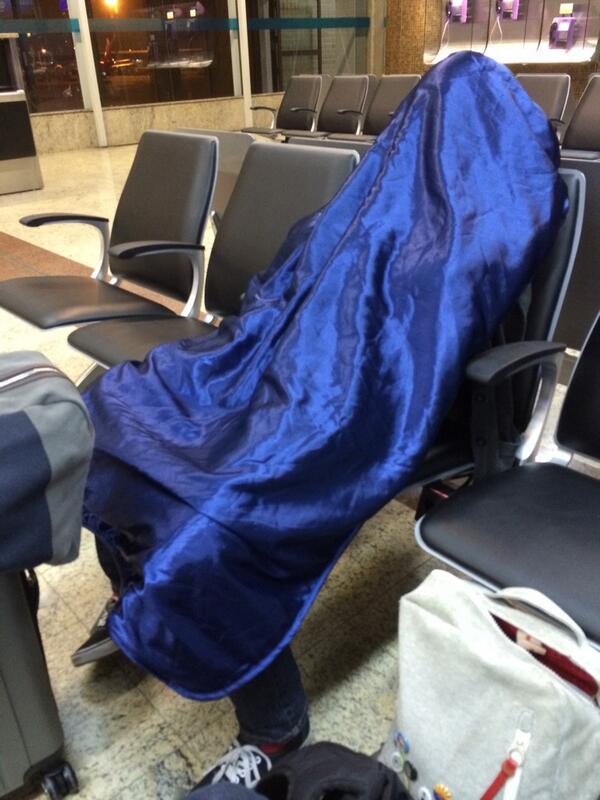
[{"x": 230, "y": 472}]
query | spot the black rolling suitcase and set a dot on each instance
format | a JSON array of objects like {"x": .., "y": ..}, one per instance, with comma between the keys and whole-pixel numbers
[{"x": 46, "y": 442}]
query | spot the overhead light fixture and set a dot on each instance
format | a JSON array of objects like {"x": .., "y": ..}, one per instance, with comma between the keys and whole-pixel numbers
[{"x": 192, "y": 12}]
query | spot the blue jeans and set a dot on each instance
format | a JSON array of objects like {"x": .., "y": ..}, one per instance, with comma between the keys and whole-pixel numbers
[
  {"x": 272, "y": 707},
  {"x": 224, "y": 791}
]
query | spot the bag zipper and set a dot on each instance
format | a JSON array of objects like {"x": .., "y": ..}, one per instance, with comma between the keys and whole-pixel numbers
[
  {"x": 511, "y": 769},
  {"x": 18, "y": 378}
]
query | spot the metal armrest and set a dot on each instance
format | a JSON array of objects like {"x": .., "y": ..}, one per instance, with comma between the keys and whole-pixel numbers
[
  {"x": 273, "y": 112},
  {"x": 359, "y": 117},
  {"x": 303, "y": 108},
  {"x": 37, "y": 220},
  {"x": 195, "y": 253},
  {"x": 487, "y": 371},
  {"x": 102, "y": 269},
  {"x": 312, "y": 111}
]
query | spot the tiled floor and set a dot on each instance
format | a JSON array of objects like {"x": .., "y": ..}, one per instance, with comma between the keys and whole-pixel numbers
[{"x": 127, "y": 735}]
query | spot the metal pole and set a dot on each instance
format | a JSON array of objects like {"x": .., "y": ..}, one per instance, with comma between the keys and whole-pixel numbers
[
  {"x": 87, "y": 68},
  {"x": 245, "y": 61},
  {"x": 234, "y": 43}
]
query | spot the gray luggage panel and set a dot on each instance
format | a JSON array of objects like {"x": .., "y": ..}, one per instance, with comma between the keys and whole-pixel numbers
[{"x": 30, "y": 731}]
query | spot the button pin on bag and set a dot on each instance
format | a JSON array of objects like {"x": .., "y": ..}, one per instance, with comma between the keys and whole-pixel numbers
[
  {"x": 442, "y": 792},
  {"x": 401, "y": 742},
  {"x": 410, "y": 770},
  {"x": 397, "y": 761},
  {"x": 425, "y": 794}
]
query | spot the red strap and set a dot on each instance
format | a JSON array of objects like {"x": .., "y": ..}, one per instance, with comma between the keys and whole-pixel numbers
[{"x": 508, "y": 769}]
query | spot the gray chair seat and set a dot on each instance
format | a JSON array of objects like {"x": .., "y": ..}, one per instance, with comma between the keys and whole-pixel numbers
[
  {"x": 304, "y": 134},
  {"x": 498, "y": 528},
  {"x": 69, "y": 299},
  {"x": 262, "y": 131},
  {"x": 583, "y": 155},
  {"x": 109, "y": 343},
  {"x": 365, "y": 138},
  {"x": 358, "y": 146}
]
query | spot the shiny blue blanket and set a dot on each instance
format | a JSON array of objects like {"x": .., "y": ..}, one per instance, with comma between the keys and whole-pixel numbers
[{"x": 230, "y": 472}]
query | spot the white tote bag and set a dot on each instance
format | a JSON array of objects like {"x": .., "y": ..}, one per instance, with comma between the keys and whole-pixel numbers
[{"x": 478, "y": 715}]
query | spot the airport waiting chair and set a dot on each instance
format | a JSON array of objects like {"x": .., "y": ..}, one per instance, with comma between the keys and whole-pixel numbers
[
  {"x": 233, "y": 147},
  {"x": 165, "y": 203},
  {"x": 461, "y": 444},
  {"x": 391, "y": 91},
  {"x": 343, "y": 109},
  {"x": 278, "y": 185},
  {"x": 582, "y": 136},
  {"x": 583, "y": 297},
  {"x": 538, "y": 524},
  {"x": 549, "y": 90},
  {"x": 299, "y": 105}
]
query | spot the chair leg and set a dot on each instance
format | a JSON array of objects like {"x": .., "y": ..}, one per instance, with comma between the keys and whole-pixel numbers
[{"x": 91, "y": 375}]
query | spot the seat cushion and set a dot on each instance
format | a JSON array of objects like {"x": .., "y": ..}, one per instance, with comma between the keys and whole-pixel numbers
[
  {"x": 262, "y": 131},
  {"x": 584, "y": 155},
  {"x": 365, "y": 138},
  {"x": 537, "y": 525},
  {"x": 304, "y": 134},
  {"x": 115, "y": 341},
  {"x": 69, "y": 299}
]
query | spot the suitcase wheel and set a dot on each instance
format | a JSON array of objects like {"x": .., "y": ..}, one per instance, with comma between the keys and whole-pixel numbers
[{"x": 61, "y": 782}]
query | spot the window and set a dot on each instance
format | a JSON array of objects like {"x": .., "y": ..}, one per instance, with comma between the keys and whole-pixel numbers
[
  {"x": 45, "y": 51},
  {"x": 151, "y": 53},
  {"x": 293, "y": 37}
]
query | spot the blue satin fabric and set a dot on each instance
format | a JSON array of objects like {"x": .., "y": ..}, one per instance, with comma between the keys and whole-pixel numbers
[{"x": 230, "y": 472}]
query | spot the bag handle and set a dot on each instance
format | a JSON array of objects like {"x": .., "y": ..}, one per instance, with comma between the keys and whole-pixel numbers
[{"x": 538, "y": 601}]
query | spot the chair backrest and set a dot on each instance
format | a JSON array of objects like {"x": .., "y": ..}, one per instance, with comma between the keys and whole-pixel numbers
[
  {"x": 583, "y": 132},
  {"x": 579, "y": 424},
  {"x": 233, "y": 146},
  {"x": 391, "y": 91},
  {"x": 303, "y": 91},
  {"x": 550, "y": 91},
  {"x": 167, "y": 196},
  {"x": 278, "y": 185},
  {"x": 548, "y": 289},
  {"x": 352, "y": 92},
  {"x": 362, "y": 148}
]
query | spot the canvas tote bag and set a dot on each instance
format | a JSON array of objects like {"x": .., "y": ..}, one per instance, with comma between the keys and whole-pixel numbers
[{"x": 479, "y": 715}]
